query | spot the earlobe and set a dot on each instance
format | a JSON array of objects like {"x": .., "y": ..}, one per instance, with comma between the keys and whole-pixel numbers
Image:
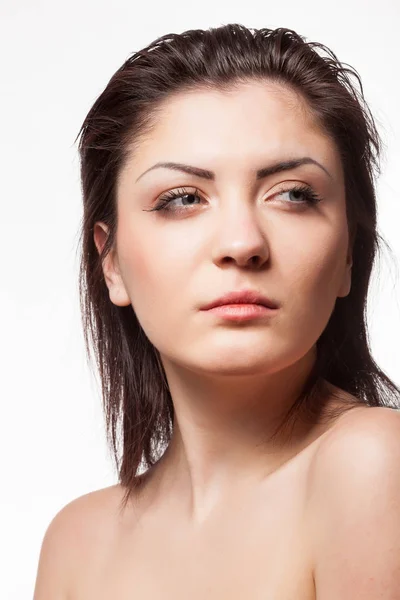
[
  {"x": 118, "y": 295},
  {"x": 112, "y": 276}
]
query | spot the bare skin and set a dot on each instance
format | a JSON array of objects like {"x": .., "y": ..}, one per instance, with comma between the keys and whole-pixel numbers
[
  {"x": 211, "y": 506},
  {"x": 231, "y": 383},
  {"x": 257, "y": 546},
  {"x": 225, "y": 512}
]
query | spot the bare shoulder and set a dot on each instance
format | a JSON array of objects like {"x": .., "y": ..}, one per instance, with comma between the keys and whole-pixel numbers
[
  {"x": 87, "y": 517},
  {"x": 364, "y": 441},
  {"x": 367, "y": 433},
  {"x": 354, "y": 497},
  {"x": 73, "y": 534}
]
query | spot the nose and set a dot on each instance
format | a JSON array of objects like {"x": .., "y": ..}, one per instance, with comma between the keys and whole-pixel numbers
[{"x": 240, "y": 239}]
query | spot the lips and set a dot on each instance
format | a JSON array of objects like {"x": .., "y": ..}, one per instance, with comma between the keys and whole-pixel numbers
[{"x": 242, "y": 297}]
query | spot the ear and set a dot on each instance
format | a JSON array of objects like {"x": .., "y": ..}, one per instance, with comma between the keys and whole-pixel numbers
[
  {"x": 112, "y": 275},
  {"x": 346, "y": 281}
]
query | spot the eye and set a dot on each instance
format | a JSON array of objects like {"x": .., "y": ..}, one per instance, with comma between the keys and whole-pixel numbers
[
  {"x": 310, "y": 197},
  {"x": 166, "y": 199}
]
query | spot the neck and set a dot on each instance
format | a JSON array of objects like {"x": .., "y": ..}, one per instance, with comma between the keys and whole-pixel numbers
[{"x": 221, "y": 441}]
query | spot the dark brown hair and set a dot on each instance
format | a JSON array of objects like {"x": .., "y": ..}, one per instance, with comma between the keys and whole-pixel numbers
[{"x": 134, "y": 386}]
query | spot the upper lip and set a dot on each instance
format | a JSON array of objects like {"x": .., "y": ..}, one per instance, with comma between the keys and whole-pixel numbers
[{"x": 242, "y": 297}]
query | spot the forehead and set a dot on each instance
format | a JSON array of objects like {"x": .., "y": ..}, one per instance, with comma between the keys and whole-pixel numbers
[{"x": 246, "y": 123}]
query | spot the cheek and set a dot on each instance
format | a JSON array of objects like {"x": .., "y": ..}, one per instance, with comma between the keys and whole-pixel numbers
[
  {"x": 317, "y": 271},
  {"x": 154, "y": 275}
]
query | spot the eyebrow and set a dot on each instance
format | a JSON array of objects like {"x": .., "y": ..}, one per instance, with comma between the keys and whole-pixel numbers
[{"x": 260, "y": 173}]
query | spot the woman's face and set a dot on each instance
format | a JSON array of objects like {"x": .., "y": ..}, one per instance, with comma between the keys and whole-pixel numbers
[{"x": 238, "y": 231}]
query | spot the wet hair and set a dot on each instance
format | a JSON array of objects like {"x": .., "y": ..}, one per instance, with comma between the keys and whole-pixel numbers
[{"x": 134, "y": 387}]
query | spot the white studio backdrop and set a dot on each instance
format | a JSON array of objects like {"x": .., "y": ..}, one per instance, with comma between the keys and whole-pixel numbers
[{"x": 56, "y": 58}]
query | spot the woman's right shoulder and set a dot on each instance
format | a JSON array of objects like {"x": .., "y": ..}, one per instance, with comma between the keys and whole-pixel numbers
[
  {"x": 83, "y": 515},
  {"x": 79, "y": 531},
  {"x": 101, "y": 500}
]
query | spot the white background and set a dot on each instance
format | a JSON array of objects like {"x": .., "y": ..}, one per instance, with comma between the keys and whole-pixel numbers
[{"x": 56, "y": 58}]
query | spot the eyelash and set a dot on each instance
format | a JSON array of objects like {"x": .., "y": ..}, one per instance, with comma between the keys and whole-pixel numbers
[{"x": 311, "y": 197}]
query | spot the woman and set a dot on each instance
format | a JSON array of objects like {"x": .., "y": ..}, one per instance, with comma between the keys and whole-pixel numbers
[{"x": 229, "y": 234}]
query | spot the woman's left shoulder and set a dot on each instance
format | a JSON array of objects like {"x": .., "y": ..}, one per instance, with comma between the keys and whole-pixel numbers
[
  {"x": 372, "y": 426},
  {"x": 353, "y": 523},
  {"x": 364, "y": 445}
]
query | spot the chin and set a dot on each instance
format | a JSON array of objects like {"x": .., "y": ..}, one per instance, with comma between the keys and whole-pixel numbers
[{"x": 234, "y": 363}]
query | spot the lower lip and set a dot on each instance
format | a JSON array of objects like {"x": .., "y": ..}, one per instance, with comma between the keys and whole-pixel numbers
[{"x": 241, "y": 312}]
